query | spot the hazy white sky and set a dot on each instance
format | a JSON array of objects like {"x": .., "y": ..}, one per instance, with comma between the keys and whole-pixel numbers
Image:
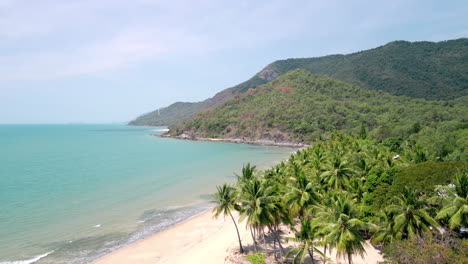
[{"x": 111, "y": 60}]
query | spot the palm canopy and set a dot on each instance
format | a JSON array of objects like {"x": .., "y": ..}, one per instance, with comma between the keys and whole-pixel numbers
[
  {"x": 341, "y": 227},
  {"x": 461, "y": 184},
  {"x": 383, "y": 228},
  {"x": 257, "y": 204},
  {"x": 337, "y": 173},
  {"x": 301, "y": 193},
  {"x": 248, "y": 173},
  {"x": 346, "y": 234},
  {"x": 456, "y": 212},
  {"x": 318, "y": 156},
  {"x": 455, "y": 203},
  {"x": 411, "y": 216},
  {"x": 306, "y": 238},
  {"x": 224, "y": 199}
]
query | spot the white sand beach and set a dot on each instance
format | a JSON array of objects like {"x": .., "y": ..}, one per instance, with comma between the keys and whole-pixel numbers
[{"x": 201, "y": 239}]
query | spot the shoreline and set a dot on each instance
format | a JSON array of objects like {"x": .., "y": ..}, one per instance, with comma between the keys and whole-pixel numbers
[
  {"x": 204, "y": 239},
  {"x": 262, "y": 142},
  {"x": 199, "y": 239},
  {"x": 161, "y": 247}
]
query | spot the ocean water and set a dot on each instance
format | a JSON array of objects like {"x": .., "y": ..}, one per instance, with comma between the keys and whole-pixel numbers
[{"x": 73, "y": 193}]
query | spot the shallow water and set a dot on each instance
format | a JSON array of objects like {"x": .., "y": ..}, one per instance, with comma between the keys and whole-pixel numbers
[{"x": 72, "y": 193}]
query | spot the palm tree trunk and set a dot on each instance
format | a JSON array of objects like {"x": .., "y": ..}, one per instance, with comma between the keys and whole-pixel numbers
[
  {"x": 311, "y": 254},
  {"x": 238, "y": 235},
  {"x": 253, "y": 238},
  {"x": 258, "y": 233},
  {"x": 278, "y": 239},
  {"x": 274, "y": 244},
  {"x": 254, "y": 235},
  {"x": 324, "y": 253},
  {"x": 350, "y": 260}
]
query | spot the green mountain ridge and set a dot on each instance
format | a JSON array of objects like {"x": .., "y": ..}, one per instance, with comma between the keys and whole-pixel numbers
[
  {"x": 416, "y": 69},
  {"x": 299, "y": 107}
]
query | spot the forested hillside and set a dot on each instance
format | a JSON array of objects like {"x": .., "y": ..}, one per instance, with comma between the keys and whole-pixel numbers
[
  {"x": 415, "y": 69},
  {"x": 299, "y": 107},
  {"x": 420, "y": 69}
]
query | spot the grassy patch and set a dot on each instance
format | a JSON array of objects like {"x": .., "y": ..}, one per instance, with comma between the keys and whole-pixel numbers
[{"x": 256, "y": 258}]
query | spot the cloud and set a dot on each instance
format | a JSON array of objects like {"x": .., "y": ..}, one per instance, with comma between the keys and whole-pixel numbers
[
  {"x": 67, "y": 38},
  {"x": 120, "y": 51},
  {"x": 52, "y": 38}
]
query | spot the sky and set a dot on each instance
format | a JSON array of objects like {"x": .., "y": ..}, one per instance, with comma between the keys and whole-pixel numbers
[{"x": 109, "y": 61}]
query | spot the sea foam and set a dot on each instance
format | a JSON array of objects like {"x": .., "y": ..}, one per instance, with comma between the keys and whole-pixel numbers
[{"x": 27, "y": 261}]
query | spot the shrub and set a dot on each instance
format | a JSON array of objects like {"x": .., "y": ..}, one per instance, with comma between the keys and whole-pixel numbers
[
  {"x": 441, "y": 249},
  {"x": 424, "y": 176}
]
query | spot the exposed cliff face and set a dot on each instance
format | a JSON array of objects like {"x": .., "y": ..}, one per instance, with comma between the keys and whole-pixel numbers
[
  {"x": 268, "y": 74},
  {"x": 415, "y": 69}
]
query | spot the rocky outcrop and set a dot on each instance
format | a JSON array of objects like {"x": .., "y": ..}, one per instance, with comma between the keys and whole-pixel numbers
[
  {"x": 268, "y": 74},
  {"x": 263, "y": 142}
]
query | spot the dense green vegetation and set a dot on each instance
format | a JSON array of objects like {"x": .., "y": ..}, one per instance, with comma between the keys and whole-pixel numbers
[
  {"x": 424, "y": 176},
  {"x": 416, "y": 69},
  {"x": 327, "y": 194},
  {"x": 301, "y": 107}
]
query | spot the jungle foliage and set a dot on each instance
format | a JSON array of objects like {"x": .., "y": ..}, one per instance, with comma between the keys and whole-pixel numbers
[{"x": 329, "y": 195}]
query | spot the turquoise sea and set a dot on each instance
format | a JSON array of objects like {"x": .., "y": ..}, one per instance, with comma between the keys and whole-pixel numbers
[{"x": 72, "y": 193}]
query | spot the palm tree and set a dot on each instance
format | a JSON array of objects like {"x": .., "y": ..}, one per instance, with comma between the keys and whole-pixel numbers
[
  {"x": 356, "y": 186},
  {"x": 341, "y": 228},
  {"x": 411, "y": 218},
  {"x": 306, "y": 238},
  {"x": 279, "y": 213},
  {"x": 337, "y": 173},
  {"x": 383, "y": 228},
  {"x": 455, "y": 203},
  {"x": 318, "y": 157},
  {"x": 301, "y": 158},
  {"x": 363, "y": 165},
  {"x": 225, "y": 203},
  {"x": 324, "y": 212},
  {"x": 300, "y": 194},
  {"x": 256, "y": 206},
  {"x": 248, "y": 172},
  {"x": 416, "y": 153}
]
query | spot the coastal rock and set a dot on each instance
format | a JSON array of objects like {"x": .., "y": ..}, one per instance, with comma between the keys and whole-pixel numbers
[{"x": 262, "y": 142}]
